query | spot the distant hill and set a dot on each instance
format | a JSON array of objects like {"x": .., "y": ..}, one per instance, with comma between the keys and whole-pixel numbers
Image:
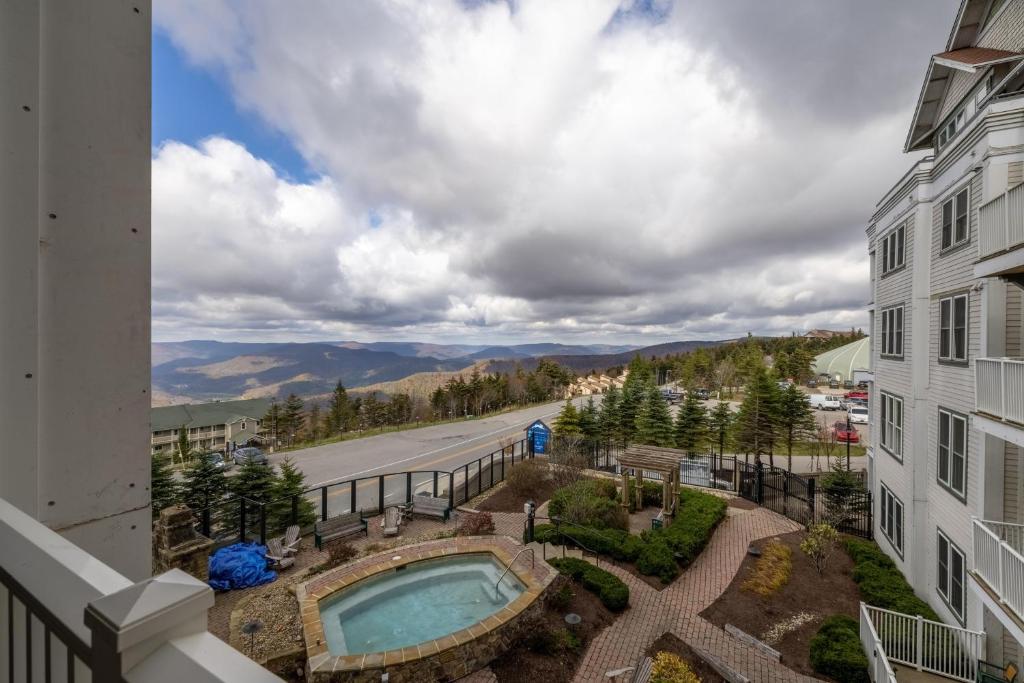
[{"x": 201, "y": 370}]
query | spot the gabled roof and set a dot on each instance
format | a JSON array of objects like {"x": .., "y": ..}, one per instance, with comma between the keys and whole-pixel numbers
[
  {"x": 961, "y": 55},
  {"x": 207, "y": 414}
]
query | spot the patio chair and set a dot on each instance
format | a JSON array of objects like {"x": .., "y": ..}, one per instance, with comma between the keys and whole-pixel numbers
[
  {"x": 993, "y": 673},
  {"x": 276, "y": 556},
  {"x": 391, "y": 522},
  {"x": 290, "y": 542}
]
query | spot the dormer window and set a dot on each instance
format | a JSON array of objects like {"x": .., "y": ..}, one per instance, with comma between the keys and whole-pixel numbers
[{"x": 959, "y": 118}]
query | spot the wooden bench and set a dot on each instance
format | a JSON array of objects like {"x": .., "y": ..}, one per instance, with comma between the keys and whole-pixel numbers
[
  {"x": 431, "y": 507},
  {"x": 337, "y": 527}
]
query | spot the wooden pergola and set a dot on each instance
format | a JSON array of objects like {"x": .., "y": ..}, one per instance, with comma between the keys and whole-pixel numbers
[{"x": 664, "y": 461}]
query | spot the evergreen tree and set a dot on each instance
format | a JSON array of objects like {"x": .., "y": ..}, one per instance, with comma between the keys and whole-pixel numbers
[
  {"x": 184, "y": 447},
  {"x": 719, "y": 421},
  {"x": 654, "y": 421},
  {"x": 339, "y": 410},
  {"x": 691, "y": 423},
  {"x": 255, "y": 483},
  {"x": 289, "y": 485},
  {"x": 204, "y": 485},
  {"x": 755, "y": 424},
  {"x": 164, "y": 490},
  {"x": 795, "y": 419},
  {"x": 272, "y": 421},
  {"x": 588, "y": 419},
  {"x": 633, "y": 391},
  {"x": 290, "y": 422},
  {"x": 314, "y": 422},
  {"x": 608, "y": 418},
  {"x": 568, "y": 421}
]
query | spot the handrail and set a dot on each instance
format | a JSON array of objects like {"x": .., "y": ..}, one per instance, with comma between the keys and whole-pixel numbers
[{"x": 533, "y": 564}]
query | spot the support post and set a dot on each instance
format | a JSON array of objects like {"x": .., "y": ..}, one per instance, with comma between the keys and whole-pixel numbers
[
  {"x": 352, "y": 496},
  {"x": 408, "y": 487},
  {"x": 380, "y": 495},
  {"x": 323, "y": 503},
  {"x": 639, "y": 489},
  {"x": 451, "y": 489},
  {"x": 625, "y": 488}
]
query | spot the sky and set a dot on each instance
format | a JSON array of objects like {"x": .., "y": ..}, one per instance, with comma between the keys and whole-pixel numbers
[{"x": 580, "y": 171}]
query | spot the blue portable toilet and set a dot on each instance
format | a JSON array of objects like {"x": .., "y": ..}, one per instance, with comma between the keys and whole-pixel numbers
[{"x": 537, "y": 436}]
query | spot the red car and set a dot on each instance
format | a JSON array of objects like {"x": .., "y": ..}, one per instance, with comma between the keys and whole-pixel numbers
[
  {"x": 856, "y": 394},
  {"x": 844, "y": 435}
]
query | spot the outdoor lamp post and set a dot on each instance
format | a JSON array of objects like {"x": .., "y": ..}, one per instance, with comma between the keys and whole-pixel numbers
[
  {"x": 529, "y": 508},
  {"x": 848, "y": 439}
]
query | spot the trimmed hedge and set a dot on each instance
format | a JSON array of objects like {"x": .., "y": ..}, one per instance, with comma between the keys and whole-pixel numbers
[
  {"x": 610, "y": 589},
  {"x": 696, "y": 518},
  {"x": 881, "y": 583},
  {"x": 836, "y": 650},
  {"x": 656, "y": 559}
]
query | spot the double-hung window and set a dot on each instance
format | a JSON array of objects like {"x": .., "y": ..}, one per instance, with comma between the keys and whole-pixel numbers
[
  {"x": 892, "y": 332},
  {"x": 955, "y": 228},
  {"x": 950, "y": 583},
  {"x": 892, "y": 424},
  {"x": 953, "y": 328},
  {"x": 891, "y": 518},
  {"x": 894, "y": 249},
  {"x": 952, "y": 465}
]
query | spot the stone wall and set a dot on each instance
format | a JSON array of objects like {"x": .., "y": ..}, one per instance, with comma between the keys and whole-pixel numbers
[{"x": 176, "y": 545}]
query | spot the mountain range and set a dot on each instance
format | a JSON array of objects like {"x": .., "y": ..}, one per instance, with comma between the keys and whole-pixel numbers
[{"x": 200, "y": 370}]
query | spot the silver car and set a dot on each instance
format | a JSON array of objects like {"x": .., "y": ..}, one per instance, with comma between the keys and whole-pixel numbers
[{"x": 241, "y": 455}]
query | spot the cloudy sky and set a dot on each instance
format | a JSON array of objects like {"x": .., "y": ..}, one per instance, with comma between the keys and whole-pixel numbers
[{"x": 502, "y": 171}]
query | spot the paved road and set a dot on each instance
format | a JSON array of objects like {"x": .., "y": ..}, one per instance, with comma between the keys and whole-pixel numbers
[{"x": 440, "y": 447}]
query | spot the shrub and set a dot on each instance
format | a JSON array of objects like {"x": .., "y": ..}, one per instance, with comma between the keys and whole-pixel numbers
[
  {"x": 560, "y": 597},
  {"x": 552, "y": 641},
  {"x": 479, "y": 524},
  {"x": 669, "y": 668},
  {"x": 652, "y": 493},
  {"x": 771, "y": 571},
  {"x": 590, "y": 502},
  {"x": 338, "y": 553},
  {"x": 695, "y": 521},
  {"x": 656, "y": 559},
  {"x": 819, "y": 544},
  {"x": 880, "y": 582},
  {"x": 836, "y": 650},
  {"x": 613, "y": 593},
  {"x": 527, "y": 478}
]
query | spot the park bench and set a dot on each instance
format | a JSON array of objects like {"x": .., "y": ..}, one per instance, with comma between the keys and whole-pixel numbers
[
  {"x": 431, "y": 507},
  {"x": 337, "y": 527}
]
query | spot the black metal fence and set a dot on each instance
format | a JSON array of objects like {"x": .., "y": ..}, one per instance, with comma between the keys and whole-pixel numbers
[{"x": 239, "y": 519}]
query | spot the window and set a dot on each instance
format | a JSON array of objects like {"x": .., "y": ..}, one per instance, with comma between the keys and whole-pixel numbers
[
  {"x": 952, "y": 466},
  {"x": 954, "y": 219},
  {"x": 893, "y": 249},
  {"x": 953, "y": 328},
  {"x": 243, "y": 425},
  {"x": 891, "y": 518},
  {"x": 892, "y": 424},
  {"x": 951, "y": 575},
  {"x": 892, "y": 332}
]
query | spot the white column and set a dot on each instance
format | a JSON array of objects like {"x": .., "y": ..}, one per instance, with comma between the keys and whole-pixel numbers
[{"x": 75, "y": 271}]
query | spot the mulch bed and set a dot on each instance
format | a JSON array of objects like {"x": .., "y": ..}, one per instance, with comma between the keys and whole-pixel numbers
[
  {"x": 669, "y": 643},
  {"x": 521, "y": 664},
  {"x": 805, "y": 596},
  {"x": 505, "y": 500}
]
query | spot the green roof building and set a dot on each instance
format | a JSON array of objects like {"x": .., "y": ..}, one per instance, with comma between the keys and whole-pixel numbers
[
  {"x": 216, "y": 426},
  {"x": 842, "y": 363}
]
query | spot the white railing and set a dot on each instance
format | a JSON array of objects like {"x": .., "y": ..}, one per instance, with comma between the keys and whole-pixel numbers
[
  {"x": 1001, "y": 222},
  {"x": 999, "y": 561},
  {"x": 66, "y": 616},
  {"x": 999, "y": 388},
  {"x": 879, "y": 668},
  {"x": 926, "y": 645}
]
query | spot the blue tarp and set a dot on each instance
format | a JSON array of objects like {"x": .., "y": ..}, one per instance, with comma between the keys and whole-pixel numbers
[{"x": 241, "y": 565}]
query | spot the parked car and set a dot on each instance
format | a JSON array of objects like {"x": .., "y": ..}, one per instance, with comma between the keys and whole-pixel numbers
[
  {"x": 856, "y": 394},
  {"x": 862, "y": 385},
  {"x": 825, "y": 402},
  {"x": 833, "y": 384},
  {"x": 703, "y": 394},
  {"x": 844, "y": 434},
  {"x": 216, "y": 459},
  {"x": 241, "y": 455},
  {"x": 858, "y": 402},
  {"x": 812, "y": 384},
  {"x": 670, "y": 395},
  {"x": 858, "y": 414}
]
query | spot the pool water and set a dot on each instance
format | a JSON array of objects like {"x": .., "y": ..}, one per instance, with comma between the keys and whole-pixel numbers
[{"x": 420, "y": 602}]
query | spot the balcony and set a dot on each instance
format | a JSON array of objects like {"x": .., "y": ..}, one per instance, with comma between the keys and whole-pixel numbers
[
  {"x": 1001, "y": 236},
  {"x": 999, "y": 398},
  {"x": 929, "y": 650},
  {"x": 66, "y": 616},
  {"x": 997, "y": 571}
]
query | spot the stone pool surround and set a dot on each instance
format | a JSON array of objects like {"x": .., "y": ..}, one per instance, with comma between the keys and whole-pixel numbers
[{"x": 444, "y": 659}]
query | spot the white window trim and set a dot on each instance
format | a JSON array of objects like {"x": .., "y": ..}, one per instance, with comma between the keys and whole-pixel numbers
[
  {"x": 893, "y": 445},
  {"x": 892, "y": 343},
  {"x": 895, "y": 241},
  {"x": 951, "y": 330},
  {"x": 943, "y": 584},
  {"x": 954, "y": 243},
  {"x": 889, "y": 502},
  {"x": 951, "y": 454}
]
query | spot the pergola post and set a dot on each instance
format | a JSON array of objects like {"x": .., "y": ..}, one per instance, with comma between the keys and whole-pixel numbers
[
  {"x": 666, "y": 492},
  {"x": 639, "y": 489},
  {"x": 625, "y": 487}
]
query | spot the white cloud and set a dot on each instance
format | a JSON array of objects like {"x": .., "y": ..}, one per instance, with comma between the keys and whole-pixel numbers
[{"x": 543, "y": 171}]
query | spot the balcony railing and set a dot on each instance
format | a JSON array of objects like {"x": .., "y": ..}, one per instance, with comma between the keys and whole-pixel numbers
[
  {"x": 999, "y": 561},
  {"x": 999, "y": 388},
  {"x": 1001, "y": 223},
  {"x": 66, "y": 616},
  {"x": 948, "y": 651}
]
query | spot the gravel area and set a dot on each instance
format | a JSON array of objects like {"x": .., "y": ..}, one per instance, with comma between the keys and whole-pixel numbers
[{"x": 278, "y": 612}]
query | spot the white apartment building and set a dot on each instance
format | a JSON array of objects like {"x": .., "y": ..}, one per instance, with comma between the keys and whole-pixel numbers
[{"x": 947, "y": 271}]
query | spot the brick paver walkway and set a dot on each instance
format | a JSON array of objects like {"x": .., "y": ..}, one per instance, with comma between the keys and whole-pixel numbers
[{"x": 676, "y": 609}]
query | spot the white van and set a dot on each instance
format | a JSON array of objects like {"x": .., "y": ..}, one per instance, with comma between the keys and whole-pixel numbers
[
  {"x": 858, "y": 414},
  {"x": 825, "y": 402}
]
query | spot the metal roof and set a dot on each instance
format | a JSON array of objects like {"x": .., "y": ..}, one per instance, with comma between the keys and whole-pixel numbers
[
  {"x": 207, "y": 414},
  {"x": 844, "y": 360}
]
